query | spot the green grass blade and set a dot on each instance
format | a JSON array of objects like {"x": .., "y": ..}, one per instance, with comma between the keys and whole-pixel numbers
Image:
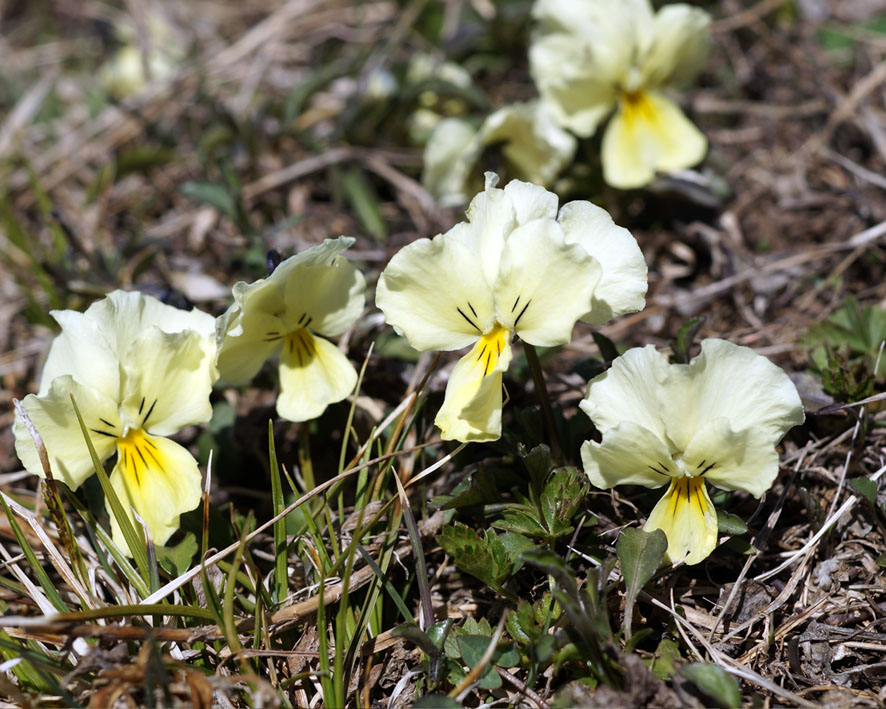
[{"x": 281, "y": 576}]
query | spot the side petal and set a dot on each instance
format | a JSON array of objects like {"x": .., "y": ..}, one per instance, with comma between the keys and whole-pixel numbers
[
  {"x": 313, "y": 374},
  {"x": 687, "y": 517},
  {"x": 735, "y": 383},
  {"x": 491, "y": 218},
  {"x": 680, "y": 45},
  {"x": 471, "y": 408},
  {"x": 648, "y": 134},
  {"x": 628, "y": 455},
  {"x": 449, "y": 157},
  {"x": 82, "y": 351},
  {"x": 434, "y": 292},
  {"x": 167, "y": 379},
  {"x": 159, "y": 479},
  {"x": 623, "y": 283},
  {"x": 733, "y": 460},
  {"x": 245, "y": 342},
  {"x": 53, "y": 416},
  {"x": 545, "y": 284},
  {"x": 631, "y": 390}
]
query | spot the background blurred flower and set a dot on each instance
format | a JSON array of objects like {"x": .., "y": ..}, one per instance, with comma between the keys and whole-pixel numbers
[
  {"x": 589, "y": 57},
  {"x": 533, "y": 147},
  {"x": 514, "y": 267},
  {"x": 717, "y": 419},
  {"x": 139, "y": 370},
  {"x": 316, "y": 292}
]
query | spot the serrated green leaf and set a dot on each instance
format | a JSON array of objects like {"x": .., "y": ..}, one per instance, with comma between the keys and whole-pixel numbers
[
  {"x": 520, "y": 521},
  {"x": 714, "y": 682},
  {"x": 538, "y": 463},
  {"x": 472, "y": 648},
  {"x": 730, "y": 524},
  {"x": 514, "y": 545},
  {"x": 640, "y": 554},
  {"x": 562, "y": 496},
  {"x": 663, "y": 661}
]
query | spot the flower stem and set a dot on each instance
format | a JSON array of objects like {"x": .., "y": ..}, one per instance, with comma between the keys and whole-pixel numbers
[{"x": 544, "y": 399}]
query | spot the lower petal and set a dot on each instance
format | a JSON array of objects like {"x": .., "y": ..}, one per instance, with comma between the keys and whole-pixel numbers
[
  {"x": 649, "y": 134},
  {"x": 687, "y": 517},
  {"x": 471, "y": 409},
  {"x": 159, "y": 479},
  {"x": 313, "y": 374},
  {"x": 54, "y": 418}
]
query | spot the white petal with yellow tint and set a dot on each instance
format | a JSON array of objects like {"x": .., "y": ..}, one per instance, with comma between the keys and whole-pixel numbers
[
  {"x": 491, "y": 218},
  {"x": 83, "y": 351},
  {"x": 735, "y": 383},
  {"x": 628, "y": 455},
  {"x": 648, "y": 134},
  {"x": 733, "y": 460},
  {"x": 434, "y": 293},
  {"x": 55, "y": 420},
  {"x": 449, "y": 157},
  {"x": 157, "y": 477},
  {"x": 680, "y": 44},
  {"x": 544, "y": 285},
  {"x": 632, "y": 389},
  {"x": 531, "y": 201},
  {"x": 622, "y": 286},
  {"x": 245, "y": 343},
  {"x": 471, "y": 408},
  {"x": 166, "y": 381},
  {"x": 313, "y": 374},
  {"x": 687, "y": 517},
  {"x": 330, "y": 297}
]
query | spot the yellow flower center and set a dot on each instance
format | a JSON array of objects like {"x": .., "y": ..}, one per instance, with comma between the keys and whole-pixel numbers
[
  {"x": 687, "y": 491},
  {"x": 138, "y": 454},
  {"x": 301, "y": 347},
  {"x": 490, "y": 346},
  {"x": 637, "y": 107}
]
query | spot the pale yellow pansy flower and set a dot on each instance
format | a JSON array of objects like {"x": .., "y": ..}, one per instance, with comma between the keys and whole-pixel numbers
[
  {"x": 534, "y": 147},
  {"x": 139, "y": 371},
  {"x": 589, "y": 57},
  {"x": 715, "y": 420},
  {"x": 310, "y": 296},
  {"x": 516, "y": 266}
]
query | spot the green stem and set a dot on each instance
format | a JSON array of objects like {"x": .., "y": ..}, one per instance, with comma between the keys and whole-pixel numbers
[{"x": 544, "y": 400}]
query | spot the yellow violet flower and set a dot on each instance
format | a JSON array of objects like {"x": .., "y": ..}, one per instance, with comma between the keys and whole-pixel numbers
[
  {"x": 533, "y": 145},
  {"x": 589, "y": 57},
  {"x": 715, "y": 420},
  {"x": 139, "y": 371},
  {"x": 516, "y": 266},
  {"x": 316, "y": 292}
]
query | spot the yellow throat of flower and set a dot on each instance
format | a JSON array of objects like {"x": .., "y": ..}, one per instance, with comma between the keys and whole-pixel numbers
[
  {"x": 687, "y": 491},
  {"x": 138, "y": 455},
  {"x": 490, "y": 346},
  {"x": 636, "y": 106},
  {"x": 300, "y": 346}
]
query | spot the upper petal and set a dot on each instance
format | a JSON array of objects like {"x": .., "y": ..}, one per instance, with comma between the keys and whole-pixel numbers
[
  {"x": 434, "y": 292},
  {"x": 623, "y": 283},
  {"x": 313, "y": 374},
  {"x": 82, "y": 351},
  {"x": 491, "y": 218},
  {"x": 531, "y": 201},
  {"x": 471, "y": 409},
  {"x": 649, "y": 133},
  {"x": 545, "y": 284},
  {"x": 680, "y": 43},
  {"x": 449, "y": 157},
  {"x": 159, "y": 479},
  {"x": 628, "y": 455},
  {"x": 633, "y": 389},
  {"x": 55, "y": 420},
  {"x": 167, "y": 379},
  {"x": 687, "y": 517}
]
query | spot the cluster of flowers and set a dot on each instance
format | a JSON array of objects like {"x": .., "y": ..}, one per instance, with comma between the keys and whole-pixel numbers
[
  {"x": 140, "y": 370},
  {"x": 588, "y": 58}
]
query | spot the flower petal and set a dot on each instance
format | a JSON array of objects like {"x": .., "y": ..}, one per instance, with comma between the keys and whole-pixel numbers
[
  {"x": 246, "y": 343},
  {"x": 313, "y": 374},
  {"x": 733, "y": 460},
  {"x": 53, "y": 416},
  {"x": 82, "y": 351},
  {"x": 531, "y": 201},
  {"x": 649, "y": 133},
  {"x": 434, "y": 292},
  {"x": 631, "y": 390},
  {"x": 449, "y": 157},
  {"x": 471, "y": 409},
  {"x": 623, "y": 283},
  {"x": 157, "y": 477},
  {"x": 167, "y": 379},
  {"x": 680, "y": 45},
  {"x": 491, "y": 218},
  {"x": 746, "y": 389},
  {"x": 687, "y": 517},
  {"x": 545, "y": 284},
  {"x": 628, "y": 455}
]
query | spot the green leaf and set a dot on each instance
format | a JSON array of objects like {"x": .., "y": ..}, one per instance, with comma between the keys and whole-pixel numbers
[
  {"x": 881, "y": 560},
  {"x": 664, "y": 661},
  {"x": 865, "y": 488},
  {"x": 436, "y": 701},
  {"x": 608, "y": 350},
  {"x": 472, "y": 649},
  {"x": 213, "y": 194},
  {"x": 417, "y": 637},
  {"x": 538, "y": 464},
  {"x": 521, "y": 521},
  {"x": 362, "y": 197},
  {"x": 485, "y": 557},
  {"x": 561, "y": 498},
  {"x": 177, "y": 559},
  {"x": 730, "y": 524},
  {"x": 640, "y": 554},
  {"x": 681, "y": 345},
  {"x": 714, "y": 682}
]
